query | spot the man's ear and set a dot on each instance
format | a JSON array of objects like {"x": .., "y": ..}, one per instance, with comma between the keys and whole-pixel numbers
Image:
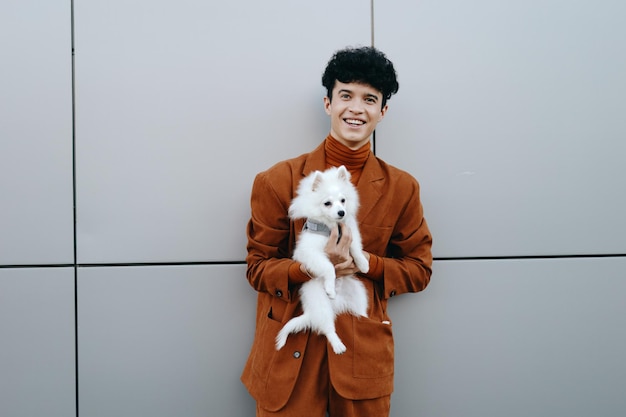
[
  {"x": 327, "y": 105},
  {"x": 383, "y": 111}
]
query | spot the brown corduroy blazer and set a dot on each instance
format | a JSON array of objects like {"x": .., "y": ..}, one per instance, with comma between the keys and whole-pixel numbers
[{"x": 392, "y": 226}]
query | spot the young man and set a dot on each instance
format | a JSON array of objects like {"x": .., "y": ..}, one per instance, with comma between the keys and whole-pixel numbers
[{"x": 306, "y": 378}]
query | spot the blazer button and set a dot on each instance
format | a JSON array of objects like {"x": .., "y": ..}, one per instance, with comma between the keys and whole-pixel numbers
[
  {"x": 297, "y": 354},
  {"x": 279, "y": 293},
  {"x": 392, "y": 293}
]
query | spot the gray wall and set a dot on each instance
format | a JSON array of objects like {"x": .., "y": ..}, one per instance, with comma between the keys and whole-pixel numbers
[{"x": 509, "y": 113}]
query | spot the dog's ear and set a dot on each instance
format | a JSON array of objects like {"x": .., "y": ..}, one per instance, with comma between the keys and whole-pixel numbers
[
  {"x": 316, "y": 181},
  {"x": 343, "y": 173}
]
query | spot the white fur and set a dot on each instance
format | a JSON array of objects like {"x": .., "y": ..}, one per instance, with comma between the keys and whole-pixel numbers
[{"x": 330, "y": 198}]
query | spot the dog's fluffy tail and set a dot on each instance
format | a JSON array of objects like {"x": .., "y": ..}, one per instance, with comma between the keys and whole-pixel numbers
[
  {"x": 295, "y": 325},
  {"x": 300, "y": 323}
]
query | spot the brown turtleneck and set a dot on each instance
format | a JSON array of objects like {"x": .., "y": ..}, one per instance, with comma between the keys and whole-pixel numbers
[{"x": 339, "y": 154}]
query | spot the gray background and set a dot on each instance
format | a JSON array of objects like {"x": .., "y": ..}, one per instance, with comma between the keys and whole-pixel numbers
[{"x": 126, "y": 167}]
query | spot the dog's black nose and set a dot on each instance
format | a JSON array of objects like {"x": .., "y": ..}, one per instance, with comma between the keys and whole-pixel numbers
[{"x": 341, "y": 213}]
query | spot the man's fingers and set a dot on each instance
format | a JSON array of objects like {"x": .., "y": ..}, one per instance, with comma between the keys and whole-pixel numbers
[
  {"x": 334, "y": 234},
  {"x": 346, "y": 237}
]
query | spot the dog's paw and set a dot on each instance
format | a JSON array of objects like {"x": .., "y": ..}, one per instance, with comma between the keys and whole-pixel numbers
[
  {"x": 362, "y": 264},
  {"x": 339, "y": 348},
  {"x": 329, "y": 287},
  {"x": 335, "y": 342},
  {"x": 331, "y": 292}
]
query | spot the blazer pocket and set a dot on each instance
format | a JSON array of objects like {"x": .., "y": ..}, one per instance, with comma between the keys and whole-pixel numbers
[
  {"x": 375, "y": 238},
  {"x": 265, "y": 351},
  {"x": 373, "y": 349}
]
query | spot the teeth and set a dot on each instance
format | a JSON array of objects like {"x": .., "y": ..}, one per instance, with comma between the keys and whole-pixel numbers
[{"x": 354, "y": 121}]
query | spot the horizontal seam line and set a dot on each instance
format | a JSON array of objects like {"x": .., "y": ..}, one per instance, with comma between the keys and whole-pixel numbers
[
  {"x": 200, "y": 263},
  {"x": 529, "y": 257},
  {"x": 121, "y": 264}
]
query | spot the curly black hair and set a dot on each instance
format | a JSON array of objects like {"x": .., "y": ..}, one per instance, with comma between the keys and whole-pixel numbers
[{"x": 365, "y": 65}]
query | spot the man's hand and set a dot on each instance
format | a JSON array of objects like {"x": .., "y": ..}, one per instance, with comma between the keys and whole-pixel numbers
[{"x": 338, "y": 251}]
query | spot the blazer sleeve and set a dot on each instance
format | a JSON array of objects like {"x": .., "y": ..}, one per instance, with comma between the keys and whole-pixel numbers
[
  {"x": 407, "y": 264},
  {"x": 268, "y": 233}
]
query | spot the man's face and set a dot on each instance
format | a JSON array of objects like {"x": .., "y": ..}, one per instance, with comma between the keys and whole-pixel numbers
[{"x": 354, "y": 112}]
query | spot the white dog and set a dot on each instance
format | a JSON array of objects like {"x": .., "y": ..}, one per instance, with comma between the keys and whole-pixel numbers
[{"x": 326, "y": 199}]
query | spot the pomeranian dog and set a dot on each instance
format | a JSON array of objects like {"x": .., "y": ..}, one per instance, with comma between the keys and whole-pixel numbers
[{"x": 326, "y": 199}]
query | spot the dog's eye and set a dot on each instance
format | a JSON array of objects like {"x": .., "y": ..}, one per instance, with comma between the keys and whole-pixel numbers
[
  {"x": 343, "y": 200},
  {"x": 328, "y": 204}
]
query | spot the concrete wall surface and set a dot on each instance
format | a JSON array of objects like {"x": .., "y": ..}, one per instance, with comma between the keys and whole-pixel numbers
[{"x": 131, "y": 132}]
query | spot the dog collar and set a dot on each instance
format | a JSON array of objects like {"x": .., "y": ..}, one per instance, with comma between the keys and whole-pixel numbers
[{"x": 316, "y": 227}]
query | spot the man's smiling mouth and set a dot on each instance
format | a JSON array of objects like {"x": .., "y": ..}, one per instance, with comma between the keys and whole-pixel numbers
[{"x": 354, "y": 122}]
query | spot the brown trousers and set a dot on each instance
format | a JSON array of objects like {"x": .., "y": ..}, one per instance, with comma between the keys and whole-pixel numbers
[{"x": 314, "y": 395}]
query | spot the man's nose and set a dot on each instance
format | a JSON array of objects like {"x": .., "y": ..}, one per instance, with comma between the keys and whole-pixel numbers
[{"x": 356, "y": 106}]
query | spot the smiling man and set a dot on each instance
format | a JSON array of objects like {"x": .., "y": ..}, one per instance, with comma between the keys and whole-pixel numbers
[{"x": 306, "y": 378}]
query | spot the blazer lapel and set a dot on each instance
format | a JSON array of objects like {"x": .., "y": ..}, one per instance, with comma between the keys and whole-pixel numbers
[
  {"x": 371, "y": 186},
  {"x": 315, "y": 161}
]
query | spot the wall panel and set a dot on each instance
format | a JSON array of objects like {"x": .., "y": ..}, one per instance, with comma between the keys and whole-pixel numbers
[
  {"x": 510, "y": 114},
  {"x": 164, "y": 341},
  {"x": 36, "y": 221},
  {"x": 515, "y": 338},
  {"x": 180, "y": 104},
  {"x": 37, "y": 346}
]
